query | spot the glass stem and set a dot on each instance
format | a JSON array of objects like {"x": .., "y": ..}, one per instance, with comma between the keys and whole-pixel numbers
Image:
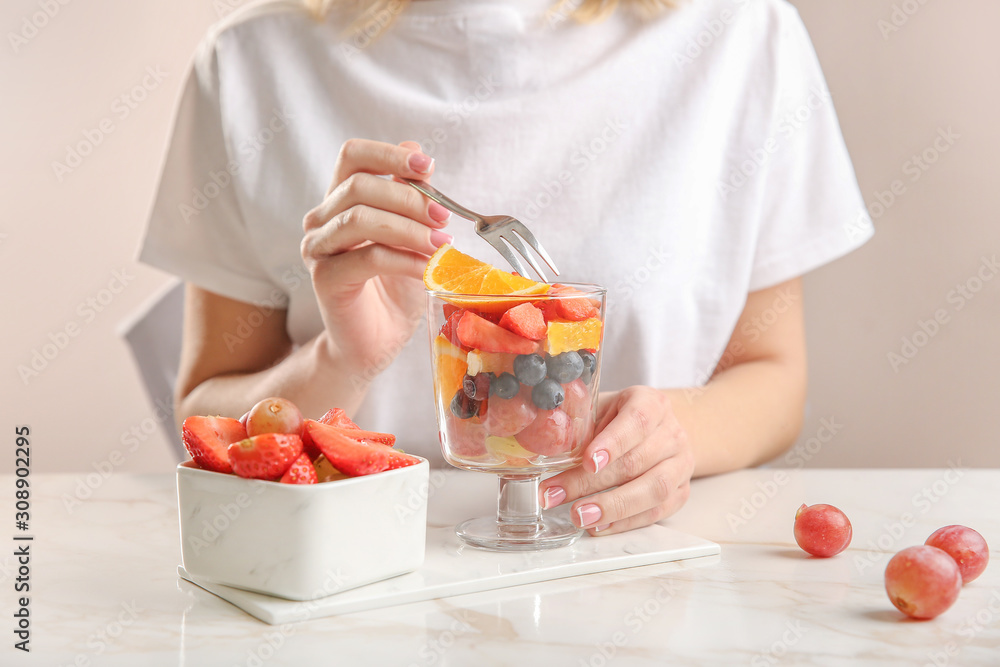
[{"x": 518, "y": 511}]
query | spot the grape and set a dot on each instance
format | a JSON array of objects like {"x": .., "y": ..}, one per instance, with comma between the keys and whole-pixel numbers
[
  {"x": 529, "y": 368},
  {"x": 966, "y": 546},
  {"x": 548, "y": 394},
  {"x": 577, "y": 404},
  {"x": 477, "y": 387},
  {"x": 565, "y": 367},
  {"x": 465, "y": 437},
  {"x": 549, "y": 434},
  {"x": 274, "y": 415},
  {"x": 504, "y": 385},
  {"x": 507, "y": 416},
  {"x": 589, "y": 365},
  {"x": 462, "y": 406},
  {"x": 822, "y": 530},
  {"x": 922, "y": 581}
]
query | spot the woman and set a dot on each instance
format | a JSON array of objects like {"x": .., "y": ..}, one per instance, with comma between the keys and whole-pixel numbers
[{"x": 688, "y": 159}]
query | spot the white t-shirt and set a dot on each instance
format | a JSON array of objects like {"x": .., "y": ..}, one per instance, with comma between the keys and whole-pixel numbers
[{"x": 681, "y": 162}]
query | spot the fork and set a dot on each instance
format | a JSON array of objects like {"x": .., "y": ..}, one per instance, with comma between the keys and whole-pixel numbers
[{"x": 502, "y": 232}]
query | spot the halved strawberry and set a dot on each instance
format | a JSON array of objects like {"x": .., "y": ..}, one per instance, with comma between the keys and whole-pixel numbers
[
  {"x": 265, "y": 456},
  {"x": 337, "y": 417},
  {"x": 477, "y": 333},
  {"x": 206, "y": 439},
  {"x": 350, "y": 456},
  {"x": 525, "y": 320},
  {"x": 398, "y": 459},
  {"x": 302, "y": 471}
]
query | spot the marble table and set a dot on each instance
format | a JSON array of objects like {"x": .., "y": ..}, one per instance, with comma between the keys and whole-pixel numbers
[{"x": 105, "y": 590}]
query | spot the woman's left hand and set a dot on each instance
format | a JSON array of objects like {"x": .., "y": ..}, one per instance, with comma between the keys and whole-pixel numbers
[{"x": 641, "y": 449}]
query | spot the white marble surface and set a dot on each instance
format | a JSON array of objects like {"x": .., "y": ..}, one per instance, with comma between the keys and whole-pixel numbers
[
  {"x": 105, "y": 589},
  {"x": 451, "y": 568}
]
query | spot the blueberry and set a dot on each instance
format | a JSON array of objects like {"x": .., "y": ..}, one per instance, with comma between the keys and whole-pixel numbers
[
  {"x": 529, "y": 368},
  {"x": 477, "y": 387},
  {"x": 505, "y": 385},
  {"x": 462, "y": 406},
  {"x": 589, "y": 365},
  {"x": 547, "y": 395},
  {"x": 565, "y": 367}
]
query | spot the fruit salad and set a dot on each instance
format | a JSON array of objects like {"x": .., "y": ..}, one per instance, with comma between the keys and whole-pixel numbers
[
  {"x": 516, "y": 365},
  {"x": 274, "y": 442}
]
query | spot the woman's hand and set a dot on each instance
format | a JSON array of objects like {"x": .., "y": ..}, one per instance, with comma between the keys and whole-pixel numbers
[
  {"x": 641, "y": 449},
  {"x": 366, "y": 246}
]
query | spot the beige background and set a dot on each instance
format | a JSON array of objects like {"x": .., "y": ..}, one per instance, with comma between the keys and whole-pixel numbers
[{"x": 61, "y": 242}]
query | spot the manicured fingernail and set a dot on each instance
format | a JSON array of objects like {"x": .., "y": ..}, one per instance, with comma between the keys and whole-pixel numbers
[
  {"x": 438, "y": 212},
  {"x": 602, "y": 527},
  {"x": 439, "y": 238},
  {"x": 554, "y": 495},
  {"x": 600, "y": 459},
  {"x": 589, "y": 514},
  {"x": 420, "y": 163}
]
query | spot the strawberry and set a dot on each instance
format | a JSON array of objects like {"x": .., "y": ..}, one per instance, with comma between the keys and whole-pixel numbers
[
  {"x": 356, "y": 433},
  {"x": 206, "y": 439},
  {"x": 265, "y": 456},
  {"x": 337, "y": 417},
  {"x": 450, "y": 325},
  {"x": 302, "y": 471},
  {"x": 525, "y": 320},
  {"x": 350, "y": 456},
  {"x": 477, "y": 333},
  {"x": 398, "y": 459},
  {"x": 567, "y": 309}
]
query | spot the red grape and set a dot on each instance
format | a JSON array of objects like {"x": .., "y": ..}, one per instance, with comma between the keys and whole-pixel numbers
[
  {"x": 966, "y": 546},
  {"x": 549, "y": 434},
  {"x": 507, "y": 416},
  {"x": 922, "y": 581},
  {"x": 274, "y": 415},
  {"x": 822, "y": 530}
]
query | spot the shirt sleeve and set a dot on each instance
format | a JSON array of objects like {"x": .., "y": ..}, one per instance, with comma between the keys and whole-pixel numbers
[
  {"x": 196, "y": 229},
  {"x": 811, "y": 211}
]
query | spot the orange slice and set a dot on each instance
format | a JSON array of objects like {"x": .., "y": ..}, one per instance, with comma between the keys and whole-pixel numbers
[
  {"x": 450, "y": 366},
  {"x": 452, "y": 271},
  {"x": 565, "y": 336}
]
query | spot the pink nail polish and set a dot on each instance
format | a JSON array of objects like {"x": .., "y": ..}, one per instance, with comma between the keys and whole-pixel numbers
[
  {"x": 588, "y": 514},
  {"x": 602, "y": 527},
  {"x": 439, "y": 238},
  {"x": 554, "y": 495},
  {"x": 600, "y": 459},
  {"x": 420, "y": 163},
  {"x": 438, "y": 212}
]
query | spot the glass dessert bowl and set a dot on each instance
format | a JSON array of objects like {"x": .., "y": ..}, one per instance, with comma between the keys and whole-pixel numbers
[{"x": 515, "y": 384}]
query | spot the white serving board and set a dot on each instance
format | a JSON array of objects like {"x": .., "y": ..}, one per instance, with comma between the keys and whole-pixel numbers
[{"x": 452, "y": 568}]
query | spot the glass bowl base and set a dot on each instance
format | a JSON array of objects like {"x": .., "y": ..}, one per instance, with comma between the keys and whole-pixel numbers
[{"x": 488, "y": 533}]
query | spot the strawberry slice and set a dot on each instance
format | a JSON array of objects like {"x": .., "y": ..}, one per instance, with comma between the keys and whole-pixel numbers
[
  {"x": 301, "y": 472},
  {"x": 525, "y": 320},
  {"x": 265, "y": 456},
  {"x": 450, "y": 325},
  {"x": 351, "y": 457},
  {"x": 206, "y": 439},
  {"x": 477, "y": 333},
  {"x": 398, "y": 459},
  {"x": 356, "y": 433},
  {"x": 337, "y": 417}
]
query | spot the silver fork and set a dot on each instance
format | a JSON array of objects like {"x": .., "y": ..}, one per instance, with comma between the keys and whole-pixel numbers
[{"x": 500, "y": 231}]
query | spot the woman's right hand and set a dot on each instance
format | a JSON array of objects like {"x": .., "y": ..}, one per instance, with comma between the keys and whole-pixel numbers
[{"x": 366, "y": 246}]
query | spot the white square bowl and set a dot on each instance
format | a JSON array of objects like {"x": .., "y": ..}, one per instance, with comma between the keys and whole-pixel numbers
[{"x": 302, "y": 542}]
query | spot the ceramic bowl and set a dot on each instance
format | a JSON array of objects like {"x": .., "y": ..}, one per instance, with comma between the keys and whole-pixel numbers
[{"x": 302, "y": 542}]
